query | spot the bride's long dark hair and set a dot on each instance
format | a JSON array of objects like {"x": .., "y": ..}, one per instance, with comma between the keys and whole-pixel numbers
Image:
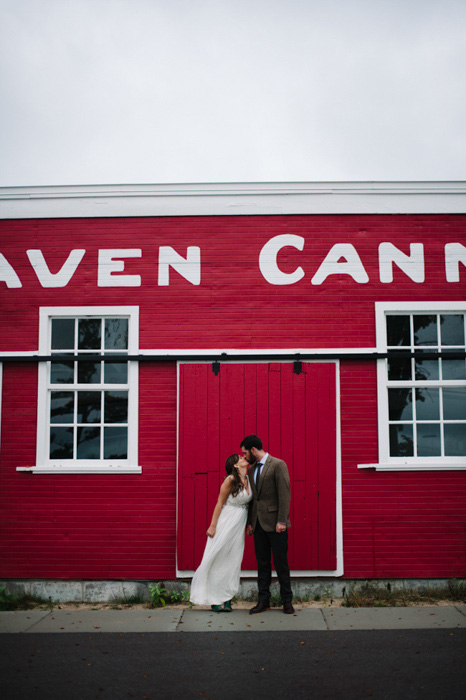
[{"x": 231, "y": 471}]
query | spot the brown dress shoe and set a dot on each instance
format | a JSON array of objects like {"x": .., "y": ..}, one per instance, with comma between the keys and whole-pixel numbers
[
  {"x": 288, "y": 608},
  {"x": 261, "y": 606}
]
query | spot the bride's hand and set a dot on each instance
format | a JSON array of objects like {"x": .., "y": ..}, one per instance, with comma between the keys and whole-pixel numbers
[{"x": 211, "y": 531}]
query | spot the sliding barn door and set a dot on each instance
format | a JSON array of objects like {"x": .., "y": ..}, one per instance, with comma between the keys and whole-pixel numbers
[{"x": 294, "y": 415}]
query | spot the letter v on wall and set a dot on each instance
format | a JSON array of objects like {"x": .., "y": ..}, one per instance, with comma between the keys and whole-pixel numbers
[
  {"x": 8, "y": 275},
  {"x": 57, "y": 279}
]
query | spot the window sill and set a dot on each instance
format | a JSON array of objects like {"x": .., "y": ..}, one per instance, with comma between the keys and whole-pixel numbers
[
  {"x": 81, "y": 470},
  {"x": 415, "y": 467}
]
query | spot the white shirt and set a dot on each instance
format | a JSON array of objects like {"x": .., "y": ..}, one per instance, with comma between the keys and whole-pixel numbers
[{"x": 258, "y": 471}]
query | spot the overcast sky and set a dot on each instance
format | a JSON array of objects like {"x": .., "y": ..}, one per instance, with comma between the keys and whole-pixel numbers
[{"x": 152, "y": 91}]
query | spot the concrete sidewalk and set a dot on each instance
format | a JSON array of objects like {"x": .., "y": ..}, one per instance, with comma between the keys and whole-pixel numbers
[{"x": 178, "y": 620}]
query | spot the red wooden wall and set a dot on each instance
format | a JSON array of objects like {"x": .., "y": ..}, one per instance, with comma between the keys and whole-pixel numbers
[
  {"x": 87, "y": 526},
  {"x": 295, "y": 415}
]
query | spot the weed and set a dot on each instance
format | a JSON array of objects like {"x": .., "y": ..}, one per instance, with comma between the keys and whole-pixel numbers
[
  {"x": 275, "y": 601},
  {"x": 177, "y": 597},
  {"x": 375, "y": 597},
  {"x": 7, "y": 601},
  {"x": 275, "y": 598},
  {"x": 130, "y": 600},
  {"x": 185, "y": 596},
  {"x": 24, "y": 602},
  {"x": 158, "y": 595}
]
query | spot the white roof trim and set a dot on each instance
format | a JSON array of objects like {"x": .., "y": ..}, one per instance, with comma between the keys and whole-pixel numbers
[{"x": 233, "y": 199}]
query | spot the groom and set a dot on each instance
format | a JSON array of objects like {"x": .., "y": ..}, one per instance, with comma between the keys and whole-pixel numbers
[{"x": 268, "y": 519}]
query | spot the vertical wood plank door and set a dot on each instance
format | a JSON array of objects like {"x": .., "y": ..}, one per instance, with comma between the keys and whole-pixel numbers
[{"x": 294, "y": 415}]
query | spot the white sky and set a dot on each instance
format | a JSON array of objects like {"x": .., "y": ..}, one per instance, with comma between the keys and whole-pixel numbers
[{"x": 152, "y": 91}]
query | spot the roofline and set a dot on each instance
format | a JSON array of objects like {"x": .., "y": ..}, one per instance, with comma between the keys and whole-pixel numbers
[{"x": 233, "y": 199}]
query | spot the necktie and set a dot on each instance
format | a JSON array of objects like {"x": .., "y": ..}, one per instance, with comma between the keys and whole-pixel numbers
[{"x": 258, "y": 471}]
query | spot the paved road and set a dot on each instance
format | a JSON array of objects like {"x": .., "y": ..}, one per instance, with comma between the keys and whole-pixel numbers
[{"x": 382, "y": 664}]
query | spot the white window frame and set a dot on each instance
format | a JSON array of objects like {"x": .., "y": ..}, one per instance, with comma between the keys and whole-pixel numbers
[
  {"x": 45, "y": 465},
  {"x": 387, "y": 463}
]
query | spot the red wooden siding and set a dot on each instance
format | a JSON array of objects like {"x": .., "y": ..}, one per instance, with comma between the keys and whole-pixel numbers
[
  {"x": 398, "y": 524},
  {"x": 295, "y": 415},
  {"x": 233, "y": 297},
  {"x": 87, "y": 525},
  {"x": 124, "y": 526}
]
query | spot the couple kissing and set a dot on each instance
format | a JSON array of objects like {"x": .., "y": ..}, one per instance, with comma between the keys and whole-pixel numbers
[{"x": 258, "y": 500}]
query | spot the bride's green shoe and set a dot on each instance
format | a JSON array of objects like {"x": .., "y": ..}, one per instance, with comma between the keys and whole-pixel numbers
[
  {"x": 216, "y": 608},
  {"x": 227, "y": 606}
]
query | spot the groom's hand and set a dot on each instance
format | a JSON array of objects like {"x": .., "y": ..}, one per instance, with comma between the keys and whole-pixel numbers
[
  {"x": 249, "y": 530},
  {"x": 280, "y": 527}
]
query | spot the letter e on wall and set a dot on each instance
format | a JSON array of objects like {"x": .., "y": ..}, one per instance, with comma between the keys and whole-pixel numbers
[{"x": 110, "y": 262}]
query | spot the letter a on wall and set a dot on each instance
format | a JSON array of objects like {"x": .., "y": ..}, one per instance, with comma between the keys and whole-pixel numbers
[{"x": 294, "y": 415}]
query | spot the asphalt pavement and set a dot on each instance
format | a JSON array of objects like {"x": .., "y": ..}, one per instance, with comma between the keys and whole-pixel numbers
[{"x": 415, "y": 653}]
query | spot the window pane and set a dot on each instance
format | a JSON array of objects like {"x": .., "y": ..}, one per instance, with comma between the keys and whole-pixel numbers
[
  {"x": 88, "y": 372},
  {"x": 61, "y": 407},
  {"x": 428, "y": 440},
  {"x": 116, "y": 407},
  {"x": 426, "y": 369},
  {"x": 452, "y": 329},
  {"x": 454, "y": 369},
  {"x": 454, "y": 403},
  {"x": 398, "y": 330},
  {"x": 89, "y": 333},
  {"x": 400, "y": 406},
  {"x": 427, "y": 404},
  {"x": 116, "y": 443},
  {"x": 399, "y": 368},
  {"x": 401, "y": 441},
  {"x": 61, "y": 372},
  {"x": 116, "y": 334},
  {"x": 61, "y": 443},
  {"x": 425, "y": 330},
  {"x": 116, "y": 373},
  {"x": 88, "y": 443},
  {"x": 63, "y": 334},
  {"x": 455, "y": 440},
  {"x": 89, "y": 409}
]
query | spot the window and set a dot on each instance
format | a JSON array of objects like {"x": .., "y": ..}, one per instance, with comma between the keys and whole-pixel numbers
[
  {"x": 422, "y": 400},
  {"x": 88, "y": 407}
]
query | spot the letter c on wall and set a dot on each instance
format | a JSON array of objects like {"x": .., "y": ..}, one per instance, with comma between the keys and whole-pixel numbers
[{"x": 268, "y": 259}]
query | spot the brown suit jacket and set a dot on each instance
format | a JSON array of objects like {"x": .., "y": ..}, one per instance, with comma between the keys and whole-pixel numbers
[{"x": 271, "y": 498}]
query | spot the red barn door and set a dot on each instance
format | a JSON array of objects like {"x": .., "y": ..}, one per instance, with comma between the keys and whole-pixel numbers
[{"x": 294, "y": 415}]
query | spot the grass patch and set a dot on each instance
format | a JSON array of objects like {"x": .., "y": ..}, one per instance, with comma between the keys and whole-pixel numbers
[
  {"x": 23, "y": 602},
  {"x": 128, "y": 601},
  {"x": 370, "y": 596}
]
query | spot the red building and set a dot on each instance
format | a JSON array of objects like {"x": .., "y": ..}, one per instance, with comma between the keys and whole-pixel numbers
[{"x": 145, "y": 330}]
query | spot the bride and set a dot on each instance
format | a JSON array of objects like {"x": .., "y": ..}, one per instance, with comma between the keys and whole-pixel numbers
[{"x": 216, "y": 580}]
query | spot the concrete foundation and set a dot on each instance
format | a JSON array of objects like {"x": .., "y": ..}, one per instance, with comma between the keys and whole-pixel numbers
[{"x": 67, "y": 591}]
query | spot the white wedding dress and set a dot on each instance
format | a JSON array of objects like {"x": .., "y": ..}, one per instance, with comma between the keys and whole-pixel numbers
[{"x": 217, "y": 578}]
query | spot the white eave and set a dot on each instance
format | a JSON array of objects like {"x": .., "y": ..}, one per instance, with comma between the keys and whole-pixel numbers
[{"x": 233, "y": 199}]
